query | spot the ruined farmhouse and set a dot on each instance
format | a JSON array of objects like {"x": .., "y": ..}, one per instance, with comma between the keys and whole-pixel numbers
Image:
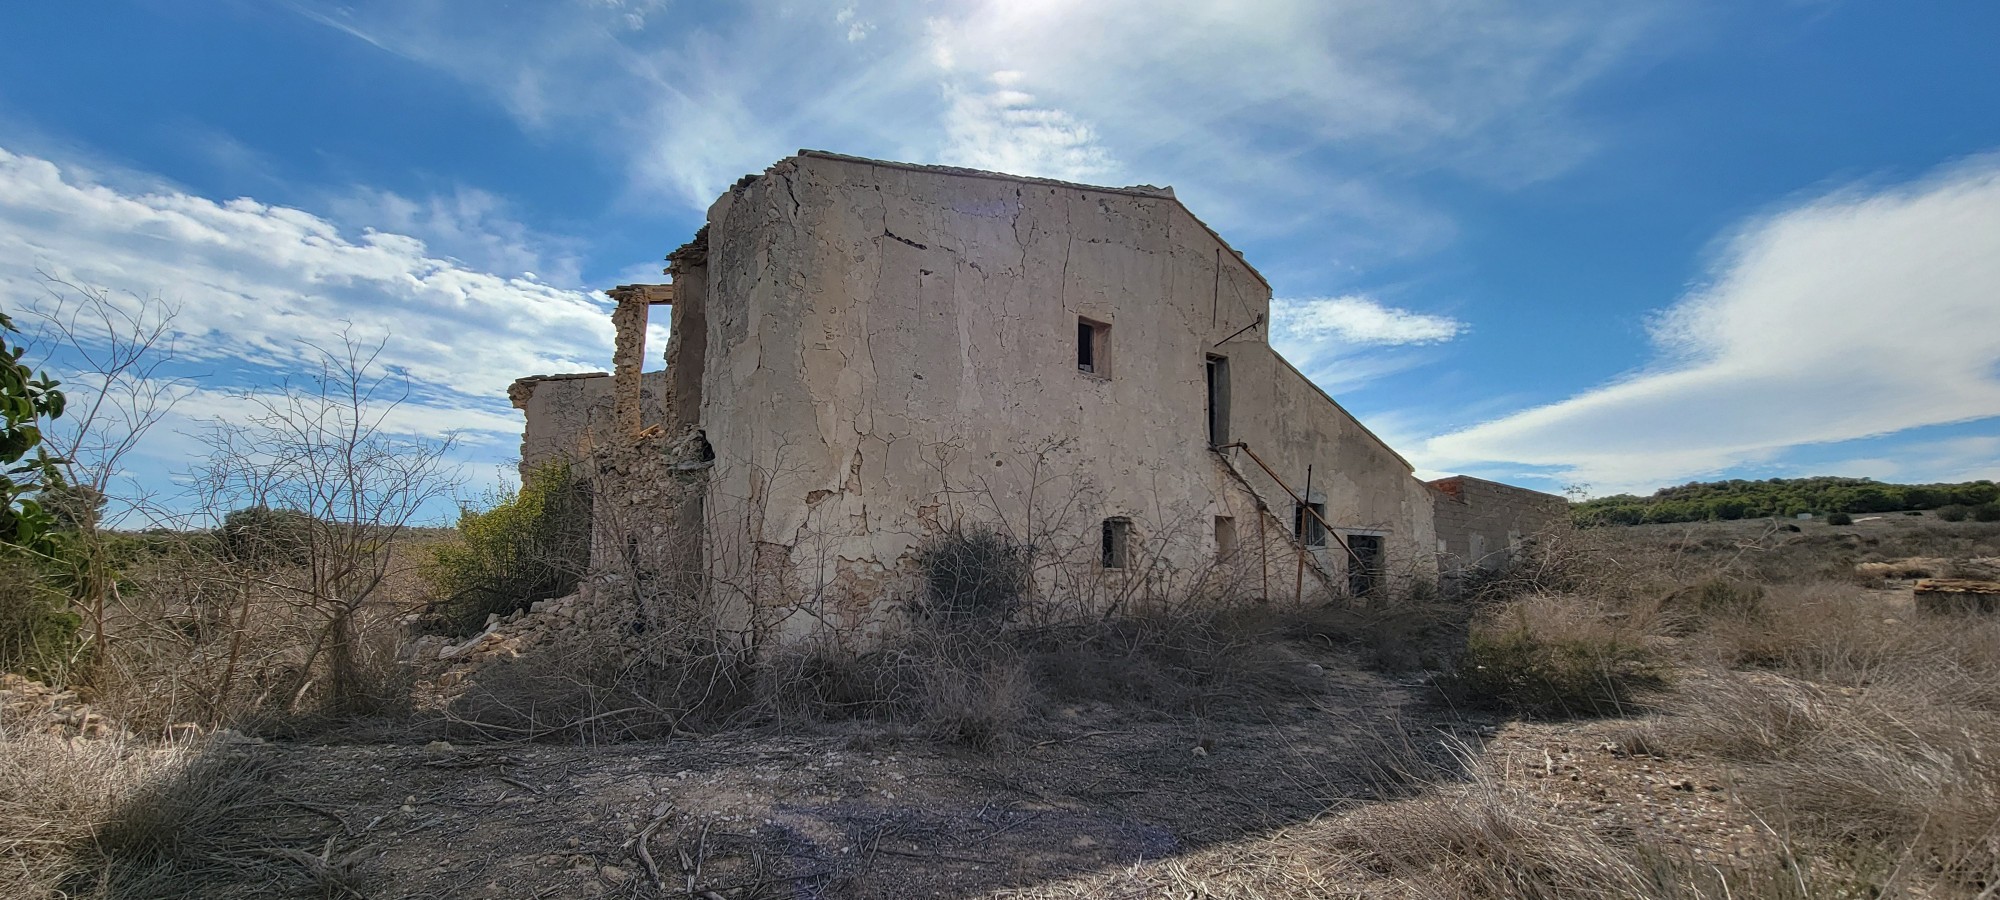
[{"x": 865, "y": 356}]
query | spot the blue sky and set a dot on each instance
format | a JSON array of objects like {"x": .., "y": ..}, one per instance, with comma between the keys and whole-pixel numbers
[{"x": 1625, "y": 245}]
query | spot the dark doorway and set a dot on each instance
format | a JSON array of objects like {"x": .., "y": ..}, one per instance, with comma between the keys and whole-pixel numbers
[
  {"x": 1364, "y": 568},
  {"x": 1218, "y": 401}
]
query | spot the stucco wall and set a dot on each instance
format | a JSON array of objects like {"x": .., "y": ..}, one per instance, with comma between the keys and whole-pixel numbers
[
  {"x": 567, "y": 416},
  {"x": 1481, "y": 523},
  {"x": 890, "y": 351}
]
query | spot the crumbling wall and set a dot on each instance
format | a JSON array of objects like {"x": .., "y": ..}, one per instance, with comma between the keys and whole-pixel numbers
[
  {"x": 890, "y": 352},
  {"x": 569, "y": 415},
  {"x": 1481, "y": 524}
]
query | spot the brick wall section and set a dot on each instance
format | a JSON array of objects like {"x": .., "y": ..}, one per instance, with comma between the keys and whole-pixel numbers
[{"x": 1480, "y": 523}]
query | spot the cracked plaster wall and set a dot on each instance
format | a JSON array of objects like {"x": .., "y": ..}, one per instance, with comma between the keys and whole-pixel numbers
[
  {"x": 888, "y": 346},
  {"x": 568, "y": 416}
]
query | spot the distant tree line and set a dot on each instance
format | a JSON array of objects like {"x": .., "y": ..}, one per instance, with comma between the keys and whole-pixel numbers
[{"x": 1786, "y": 497}]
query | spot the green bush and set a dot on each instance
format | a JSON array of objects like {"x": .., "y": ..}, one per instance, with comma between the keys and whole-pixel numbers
[
  {"x": 39, "y": 634},
  {"x": 1986, "y": 512},
  {"x": 1557, "y": 656},
  {"x": 260, "y": 534},
  {"x": 1956, "y": 512},
  {"x": 1839, "y": 518},
  {"x": 533, "y": 544}
]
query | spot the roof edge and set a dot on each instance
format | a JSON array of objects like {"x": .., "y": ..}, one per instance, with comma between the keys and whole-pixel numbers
[{"x": 1142, "y": 190}]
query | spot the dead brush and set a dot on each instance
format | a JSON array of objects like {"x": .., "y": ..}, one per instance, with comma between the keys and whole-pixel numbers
[
  {"x": 953, "y": 683},
  {"x": 1825, "y": 631},
  {"x": 117, "y": 819},
  {"x": 1391, "y": 634},
  {"x": 586, "y": 691},
  {"x": 1561, "y": 655},
  {"x": 1189, "y": 658}
]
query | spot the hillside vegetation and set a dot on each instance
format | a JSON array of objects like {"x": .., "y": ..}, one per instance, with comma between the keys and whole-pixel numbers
[{"x": 1706, "y": 501}]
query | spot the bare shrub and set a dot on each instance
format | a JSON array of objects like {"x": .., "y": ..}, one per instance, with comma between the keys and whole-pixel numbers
[
  {"x": 986, "y": 688},
  {"x": 975, "y": 575},
  {"x": 584, "y": 691},
  {"x": 1392, "y": 634},
  {"x": 1560, "y": 655},
  {"x": 1194, "y": 658},
  {"x": 952, "y": 684}
]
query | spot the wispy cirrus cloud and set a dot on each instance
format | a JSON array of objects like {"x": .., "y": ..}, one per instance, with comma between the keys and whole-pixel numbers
[
  {"x": 1263, "y": 121},
  {"x": 1349, "y": 340},
  {"x": 1860, "y": 313}
]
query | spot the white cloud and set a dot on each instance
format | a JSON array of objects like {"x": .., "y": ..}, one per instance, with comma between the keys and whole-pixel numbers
[
  {"x": 1004, "y": 130},
  {"x": 1856, "y": 314},
  {"x": 1357, "y": 320},
  {"x": 256, "y": 285},
  {"x": 1262, "y": 119},
  {"x": 471, "y": 226},
  {"x": 254, "y": 282},
  {"x": 1344, "y": 342}
]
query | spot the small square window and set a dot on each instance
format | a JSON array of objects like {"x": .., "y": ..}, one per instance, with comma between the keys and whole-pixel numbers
[
  {"x": 1117, "y": 542},
  {"x": 1093, "y": 347}
]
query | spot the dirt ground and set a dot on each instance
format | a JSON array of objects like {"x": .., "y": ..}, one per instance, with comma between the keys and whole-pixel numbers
[{"x": 848, "y": 811}]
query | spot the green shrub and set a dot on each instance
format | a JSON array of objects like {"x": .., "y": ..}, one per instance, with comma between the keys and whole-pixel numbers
[
  {"x": 266, "y": 536},
  {"x": 39, "y": 633},
  {"x": 533, "y": 544},
  {"x": 1986, "y": 512},
  {"x": 1557, "y": 656},
  {"x": 1954, "y": 513},
  {"x": 1839, "y": 518}
]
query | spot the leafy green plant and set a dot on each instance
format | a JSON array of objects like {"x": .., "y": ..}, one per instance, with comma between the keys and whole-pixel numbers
[
  {"x": 38, "y": 630},
  {"x": 27, "y": 399},
  {"x": 1839, "y": 518},
  {"x": 1954, "y": 513},
  {"x": 532, "y": 544}
]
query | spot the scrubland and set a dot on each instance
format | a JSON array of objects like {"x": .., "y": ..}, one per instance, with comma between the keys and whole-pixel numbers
[{"x": 1713, "y": 710}]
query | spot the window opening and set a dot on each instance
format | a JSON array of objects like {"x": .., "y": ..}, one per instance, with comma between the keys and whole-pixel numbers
[
  {"x": 1364, "y": 569},
  {"x": 1225, "y": 537},
  {"x": 1308, "y": 527},
  {"x": 1117, "y": 542},
  {"x": 1092, "y": 347},
  {"x": 1218, "y": 401}
]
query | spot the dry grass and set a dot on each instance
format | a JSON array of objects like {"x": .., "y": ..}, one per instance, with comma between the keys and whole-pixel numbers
[
  {"x": 981, "y": 685},
  {"x": 118, "y": 819},
  {"x": 1862, "y": 735},
  {"x": 1562, "y": 655}
]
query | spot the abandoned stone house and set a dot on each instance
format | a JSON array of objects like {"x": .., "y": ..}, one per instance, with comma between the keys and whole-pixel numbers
[{"x": 864, "y": 355}]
